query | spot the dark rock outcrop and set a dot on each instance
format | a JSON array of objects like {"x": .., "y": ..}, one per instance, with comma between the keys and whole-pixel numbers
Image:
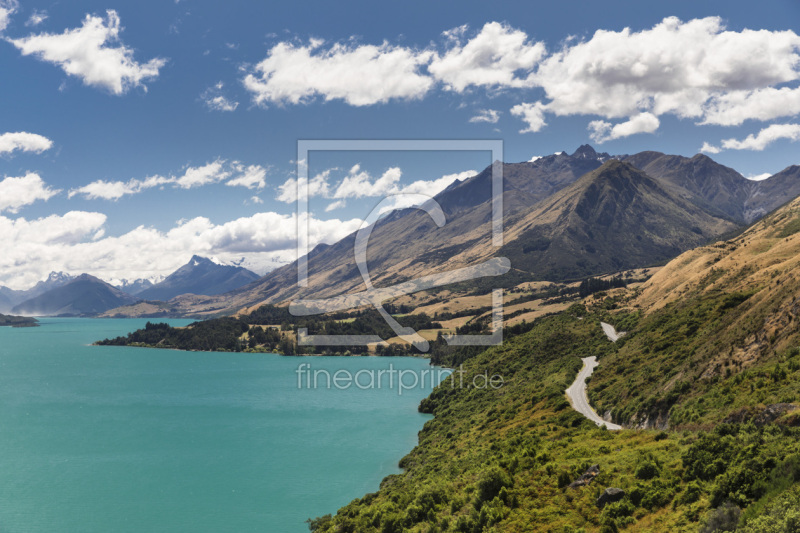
[
  {"x": 610, "y": 495},
  {"x": 760, "y": 417},
  {"x": 586, "y": 478}
]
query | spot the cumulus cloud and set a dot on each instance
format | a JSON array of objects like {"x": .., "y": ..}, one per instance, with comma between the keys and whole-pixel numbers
[
  {"x": 532, "y": 115},
  {"x": 486, "y": 115},
  {"x": 317, "y": 186},
  {"x": 416, "y": 192},
  {"x": 359, "y": 184},
  {"x": 24, "y": 142},
  {"x": 674, "y": 67},
  {"x": 602, "y": 131},
  {"x": 7, "y": 8},
  {"x": 433, "y": 187},
  {"x": 710, "y": 148},
  {"x": 759, "y": 177},
  {"x": 36, "y": 18},
  {"x": 16, "y": 193},
  {"x": 93, "y": 53},
  {"x": 338, "y": 204},
  {"x": 213, "y": 172},
  {"x": 75, "y": 243},
  {"x": 695, "y": 69},
  {"x": 114, "y": 190},
  {"x": 359, "y": 75},
  {"x": 216, "y": 100},
  {"x": 250, "y": 177},
  {"x": 762, "y": 139},
  {"x": 199, "y": 176},
  {"x": 735, "y": 107},
  {"x": 490, "y": 59},
  {"x": 370, "y": 74}
]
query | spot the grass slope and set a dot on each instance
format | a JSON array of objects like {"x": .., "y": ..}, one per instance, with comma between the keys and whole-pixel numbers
[{"x": 497, "y": 460}]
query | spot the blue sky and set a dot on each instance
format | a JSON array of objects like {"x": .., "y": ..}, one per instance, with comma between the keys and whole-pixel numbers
[{"x": 135, "y": 134}]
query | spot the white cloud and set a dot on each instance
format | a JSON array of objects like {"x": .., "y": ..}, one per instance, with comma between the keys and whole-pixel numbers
[
  {"x": 7, "y": 8},
  {"x": 338, "y": 204},
  {"x": 359, "y": 75},
  {"x": 764, "y": 138},
  {"x": 75, "y": 243},
  {"x": 23, "y": 141},
  {"x": 88, "y": 53},
  {"x": 358, "y": 183},
  {"x": 36, "y": 18},
  {"x": 317, "y": 186},
  {"x": 486, "y": 115},
  {"x": 213, "y": 172},
  {"x": 455, "y": 34},
  {"x": 759, "y": 177},
  {"x": 490, "y": 59},
  {"x": 735, "y": 107},
  {"x": 256, "y": 200},
  {"x": 627, "y": 79},
  {"x": 68, "y": 229},
  {"x": 251, "y": 177},
  {"x": 675, "y": 67},
  {"x": 532, "y": 115},
  {"x": 16, "y": 193},
  {"x": 424, "y": 189},
  {"x": 216, "y": 101},
  {"x": 534, "y": 158},
  {"x": 199, "y": 176},
  {"x": 604, "y": 131},
  {"x": 710, "y": 148},
  {"x": 433, "y": 187},
  {"x": 114, "y": 190}
]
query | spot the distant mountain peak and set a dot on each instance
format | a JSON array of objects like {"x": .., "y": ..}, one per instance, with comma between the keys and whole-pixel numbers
[
  {"x": 58, "y": 277},
  {"x": 585, "y": 151},
  {"x": 82, "y": 295},
  {"x": 200, "y": 275},
  {"x": 197, "y": 260}
]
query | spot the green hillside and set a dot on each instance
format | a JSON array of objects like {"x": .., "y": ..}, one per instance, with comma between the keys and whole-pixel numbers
[{"x": 707, "y": 380}]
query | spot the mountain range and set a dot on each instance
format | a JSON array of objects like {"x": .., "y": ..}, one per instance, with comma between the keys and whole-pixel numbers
[
  {"x": 10, "y": 297},
  {"x": 566, "y": 216},
  {"x": 199, "y": 276},
  {"x": 709, "y": 364},
  {"x": 85, "y": 295}
]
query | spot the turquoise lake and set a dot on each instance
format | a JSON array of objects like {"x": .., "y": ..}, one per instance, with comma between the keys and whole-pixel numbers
[{"x": 101, "y": 439}]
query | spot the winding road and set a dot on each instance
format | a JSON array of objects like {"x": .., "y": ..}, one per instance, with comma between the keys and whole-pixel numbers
[
  {"x": 612, "y": 333},
  {"x": 576, "y": 393}
]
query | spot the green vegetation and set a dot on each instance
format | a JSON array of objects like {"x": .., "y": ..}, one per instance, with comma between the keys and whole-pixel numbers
[
  {"x": 253, "y": 332},
  {"x": 689, "y": 363},
  {"x": 18, "y": 321},
  {"x": 502, "y": 459},
  {"x": 221, "y": 334},
  {"x": 593, "y": 285}
]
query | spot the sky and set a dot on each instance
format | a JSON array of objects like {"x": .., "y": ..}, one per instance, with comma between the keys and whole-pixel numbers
[{"x": 136, "y": 134}]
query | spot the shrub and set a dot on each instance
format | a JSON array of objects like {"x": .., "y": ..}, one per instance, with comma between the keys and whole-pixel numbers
[
  {"x": 491, "y": 482},
  {"x": 647, "y": 469},
  {"x": 723, "y": 518}
]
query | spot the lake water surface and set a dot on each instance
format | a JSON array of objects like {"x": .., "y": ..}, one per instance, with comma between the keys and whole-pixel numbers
[{"x": 101, "y": 439}]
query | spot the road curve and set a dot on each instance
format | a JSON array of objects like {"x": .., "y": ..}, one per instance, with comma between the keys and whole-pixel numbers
[
  {"x": 612, "y": 333},
  {"x": 577, "y": 394}
]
